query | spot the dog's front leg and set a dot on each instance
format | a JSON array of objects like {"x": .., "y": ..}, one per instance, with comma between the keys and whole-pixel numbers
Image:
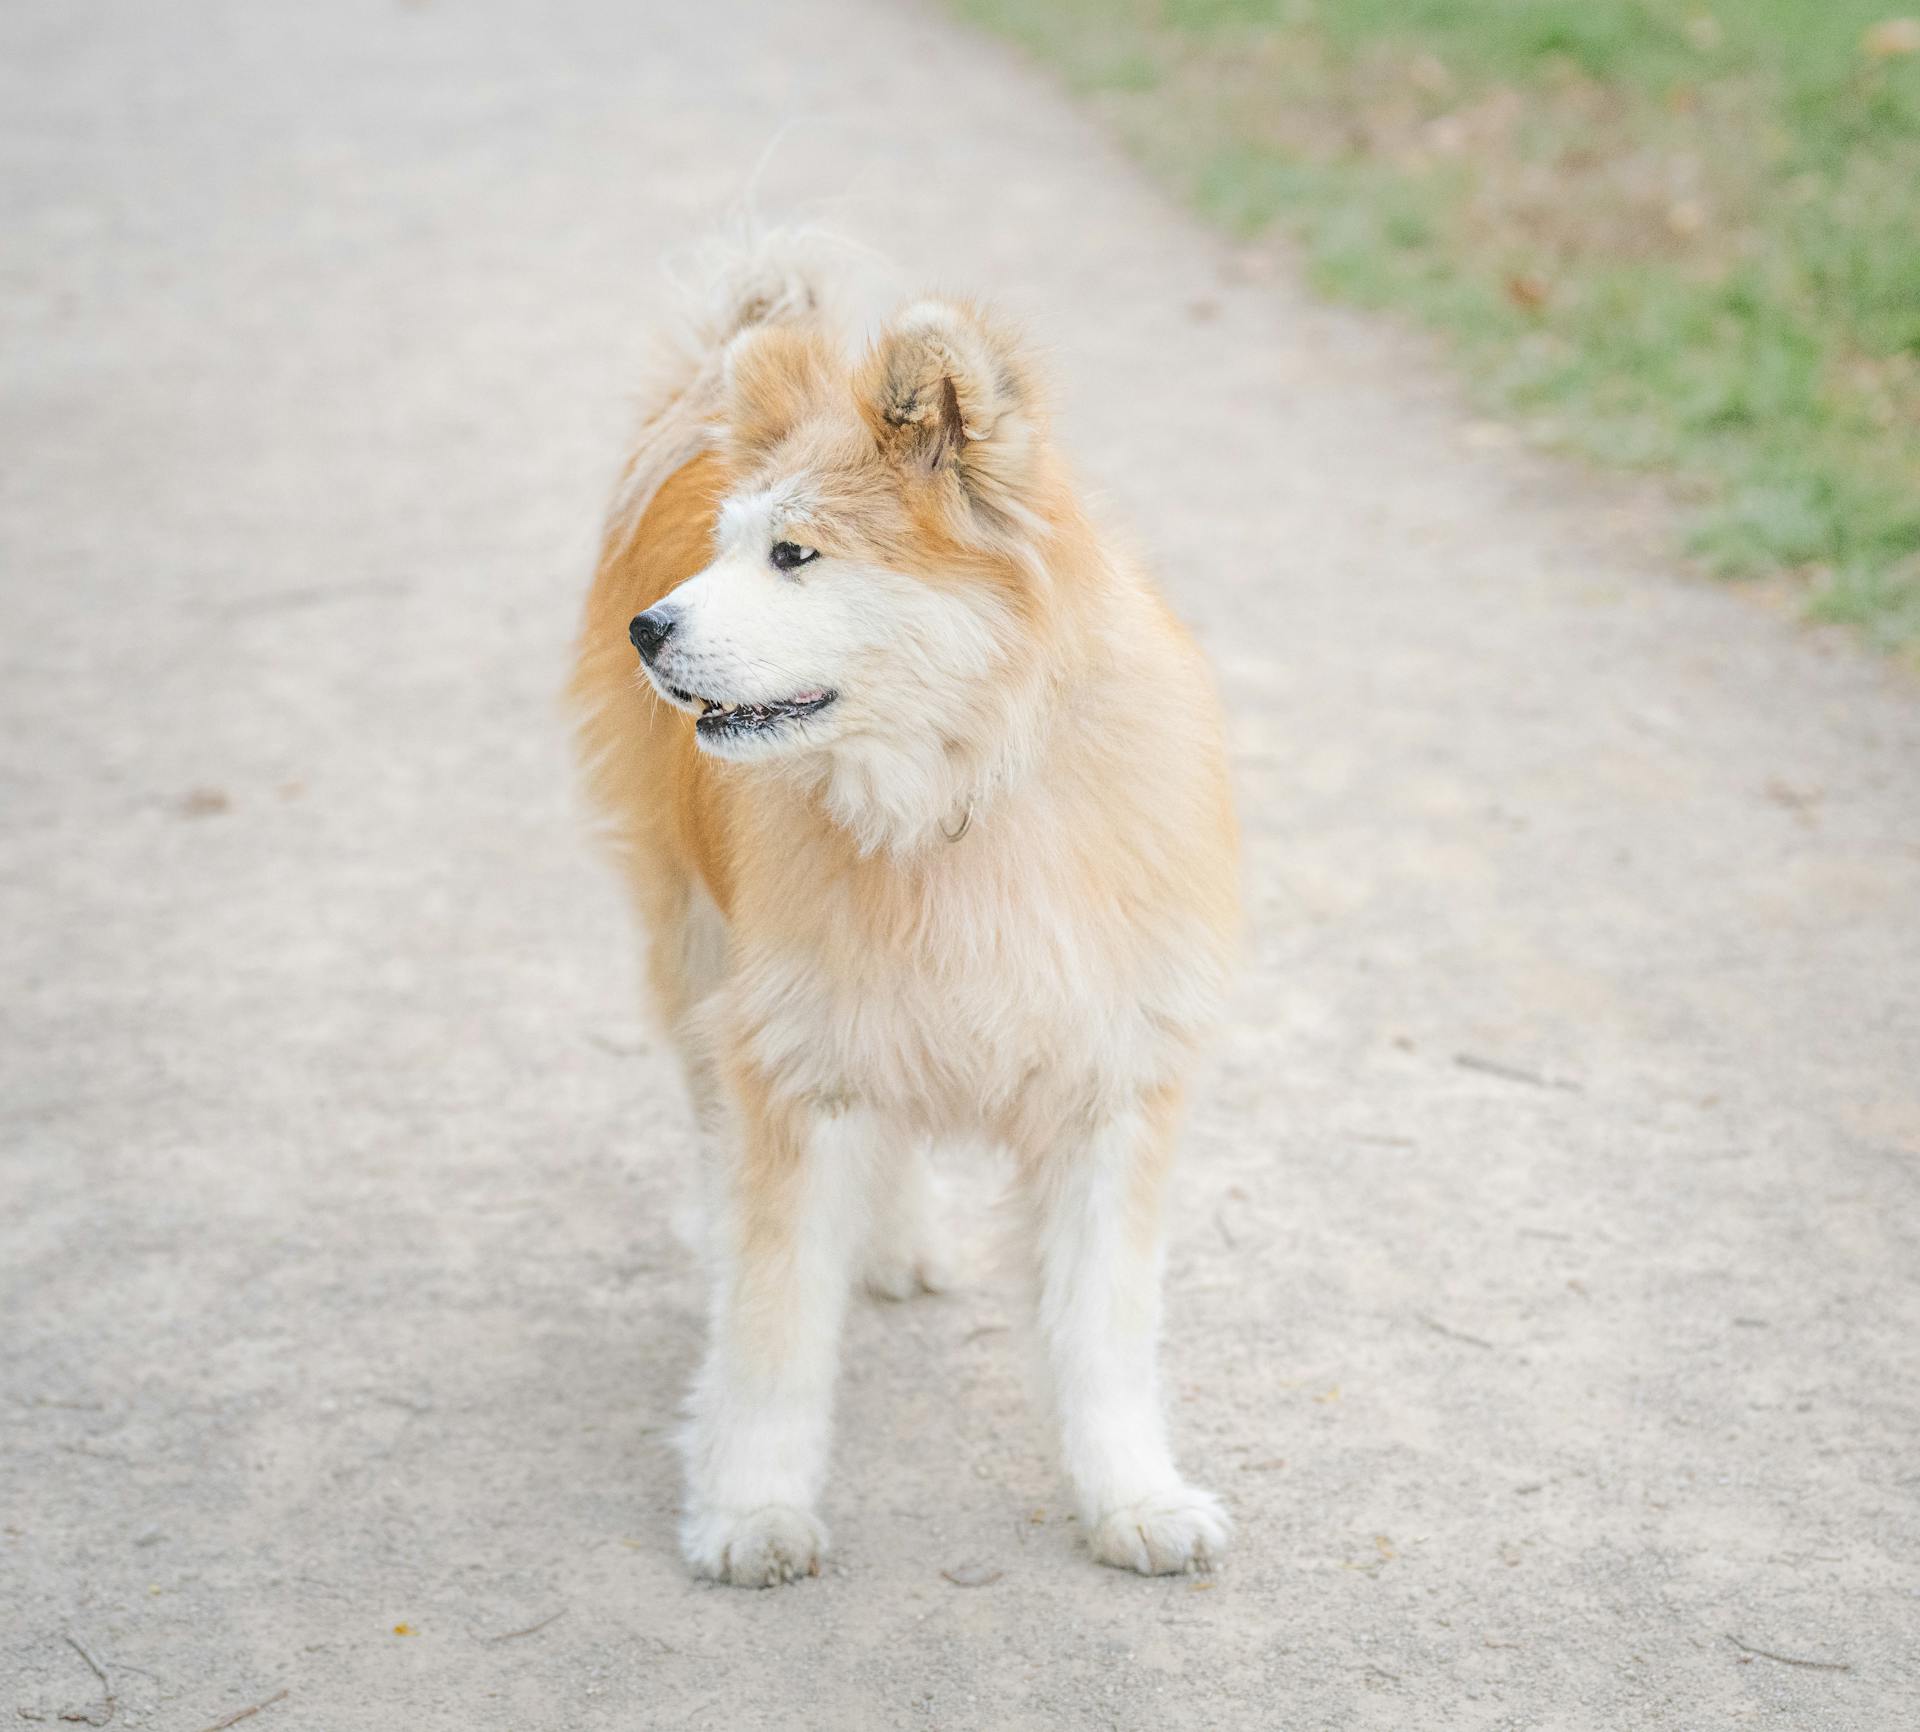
[
  {"x": 1097, "y": 1208},
  {"x": 761, "y": 1412}
]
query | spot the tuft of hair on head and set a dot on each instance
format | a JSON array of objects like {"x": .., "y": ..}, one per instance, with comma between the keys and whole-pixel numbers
[
  {"x": 772, "y": 376},
  {"x": 738, "y": 275},
  {"x": 951, "y": 398},
  {"x": 735, "y": 279}
]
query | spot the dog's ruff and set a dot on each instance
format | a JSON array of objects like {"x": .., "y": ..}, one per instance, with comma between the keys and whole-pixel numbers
[{"x": 922, "y": 799}]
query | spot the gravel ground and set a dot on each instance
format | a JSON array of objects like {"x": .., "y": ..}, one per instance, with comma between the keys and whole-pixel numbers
[{"x": 1545, "y": 1287}]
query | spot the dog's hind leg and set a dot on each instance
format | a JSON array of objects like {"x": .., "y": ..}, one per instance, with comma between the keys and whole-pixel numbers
[
  {"x": 1096, "y": 1205},
  {"x": 907, "y": 1226},
  {"x": 759, "y": 1419}
]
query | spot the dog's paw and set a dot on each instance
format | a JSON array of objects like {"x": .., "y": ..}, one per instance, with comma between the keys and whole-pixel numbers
[
  {"x": 906, "y": 1274},
  {"x": 758, "y": 1548},
  {"x": 1181, "y": 1528}
]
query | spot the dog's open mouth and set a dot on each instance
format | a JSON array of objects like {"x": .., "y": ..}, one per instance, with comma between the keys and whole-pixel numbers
[{"x": 725, "y": 721}]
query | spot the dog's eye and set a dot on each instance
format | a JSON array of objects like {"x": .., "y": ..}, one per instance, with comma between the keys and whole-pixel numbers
[{"x": 787, "y": 555}]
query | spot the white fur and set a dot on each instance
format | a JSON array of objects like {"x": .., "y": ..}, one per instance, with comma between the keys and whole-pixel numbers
[
  {"x": 1098, "y": 1314},
  {"x": 907, "y": 1250},
  {"x": 755, "y": 1442}
]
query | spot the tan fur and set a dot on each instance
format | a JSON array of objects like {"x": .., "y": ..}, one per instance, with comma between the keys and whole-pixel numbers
[
  {"x": 643, "y": 768},
  {"x": 1032, "y": 979}
]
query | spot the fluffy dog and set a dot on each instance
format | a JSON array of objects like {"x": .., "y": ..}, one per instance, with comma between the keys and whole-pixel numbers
[{"x": 921, "y": 793}]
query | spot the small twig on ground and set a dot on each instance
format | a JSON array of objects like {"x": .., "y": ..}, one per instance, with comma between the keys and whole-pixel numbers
[
  {"x": 1513, "y": 1072},
  {"x": 984, "y": 1329},
  {"x": 407, "y": 1403},
  {"x": 530, "y": 1630},
  {"x": 1220, "y": 1221},
  {"x": 1788, "y": 1659},
  {"x": 1452, "y": 1334},
  {"x": 106, "y": 1689},
  {"x": 91, "y": 1454},
  {"x": 240, "y": 1714}
]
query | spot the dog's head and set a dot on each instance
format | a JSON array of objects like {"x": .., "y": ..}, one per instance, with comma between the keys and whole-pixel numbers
[{"x": 877, "y": 550}]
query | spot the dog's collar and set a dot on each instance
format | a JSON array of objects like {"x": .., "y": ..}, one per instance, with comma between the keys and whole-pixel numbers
[{"x": 960, "y": 829}]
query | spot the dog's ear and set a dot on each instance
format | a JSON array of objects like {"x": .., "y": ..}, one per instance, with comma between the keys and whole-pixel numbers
[
  {"x": 949, "y": 396},
  {"x": 774, "y": 376}
]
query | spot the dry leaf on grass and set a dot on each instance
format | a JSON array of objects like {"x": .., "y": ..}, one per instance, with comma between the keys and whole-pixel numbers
[{"x": 1892, "y": 39}]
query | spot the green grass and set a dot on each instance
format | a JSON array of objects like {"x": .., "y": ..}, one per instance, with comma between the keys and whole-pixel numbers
[{"x": 1682, "y": 237}]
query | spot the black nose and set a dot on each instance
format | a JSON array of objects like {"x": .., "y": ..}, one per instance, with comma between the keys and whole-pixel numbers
[{"x": 650, "y": 630}]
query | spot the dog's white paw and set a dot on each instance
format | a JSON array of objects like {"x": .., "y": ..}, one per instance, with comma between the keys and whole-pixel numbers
[
  {"x": 758, "y": 1548},
  {"x": 1181, "y": 1528},
  {"x": 905, "y": 1275}
]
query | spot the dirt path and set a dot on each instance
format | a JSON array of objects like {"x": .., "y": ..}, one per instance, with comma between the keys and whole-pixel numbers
[{"x": 1545, "y": 1291}]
